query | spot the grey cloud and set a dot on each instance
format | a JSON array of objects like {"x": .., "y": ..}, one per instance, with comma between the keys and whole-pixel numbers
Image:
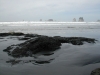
[
  {"x": 18, "y": 5},
  {"x": 38, "y": 8}
]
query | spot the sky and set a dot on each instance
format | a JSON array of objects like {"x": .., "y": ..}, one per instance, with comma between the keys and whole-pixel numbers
[{"x": 58, "y": 10}]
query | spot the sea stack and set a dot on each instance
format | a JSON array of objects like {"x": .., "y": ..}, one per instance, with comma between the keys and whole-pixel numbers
[
  {"x": 74, "y": 20},
  {"x": 81, "y": 19}
]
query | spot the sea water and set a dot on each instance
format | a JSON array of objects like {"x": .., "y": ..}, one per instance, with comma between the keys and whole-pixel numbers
[{"x": 69, "y": 60}]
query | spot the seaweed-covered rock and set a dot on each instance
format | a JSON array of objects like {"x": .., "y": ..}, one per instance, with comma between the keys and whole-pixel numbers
[{"x": 95, "y": 72}]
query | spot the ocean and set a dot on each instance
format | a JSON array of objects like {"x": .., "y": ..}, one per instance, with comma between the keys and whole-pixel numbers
[{"x": 68, "y": 60}]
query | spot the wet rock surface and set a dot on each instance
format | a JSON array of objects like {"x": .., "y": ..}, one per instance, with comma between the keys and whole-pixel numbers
[
  {"x": 34, "y": 46},
  {"x": 38, "y": 43},
  {"x": 13, "y": 61},
  {"x": 11, "y": 34},
  {"x": 74, "y": 40},
  {"x": 95, "y": 72}
]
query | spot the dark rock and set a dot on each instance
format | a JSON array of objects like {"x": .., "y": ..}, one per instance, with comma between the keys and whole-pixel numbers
[
  {"x": 44, "y": 43},
  {"x": 41, "y": 62},
  {"x": 4, "y": 34},
  {"x": 13, "y": 61},
  {"x": 74, "y": 19},
  {"x": 47, "y": 54},
  {"x": 36, "y": 45},
  {"x": 36, "y": 62},
  {"x": 11, "y": 34},
  {"x": 81, "y": 19},
  {"x": 7, "y": 49},
  {"x": 95, "y": 72},
  {"x": 1, "y": 38},
  {"x": 74, "y": 40},
  {"x": 25, "y": 38},
  {"x": 16, "y": 34},
  {"x": 19, "y": 34},
  {"x": 98, "y": 20},
  {"x": 32, "y": 35}
]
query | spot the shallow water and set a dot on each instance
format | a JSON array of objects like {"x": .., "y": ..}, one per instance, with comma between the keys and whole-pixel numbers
[{"x": 69, "y": 60}]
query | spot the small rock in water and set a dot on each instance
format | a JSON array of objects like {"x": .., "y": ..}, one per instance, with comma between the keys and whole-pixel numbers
[
  {"x": 95, "y": 72},
  {"x": 13, "y": 61},
  {"x": 11, "y": 34}
]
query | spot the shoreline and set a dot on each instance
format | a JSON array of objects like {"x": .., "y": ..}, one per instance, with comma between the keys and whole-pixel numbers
[{"x": 38, "y": 23}]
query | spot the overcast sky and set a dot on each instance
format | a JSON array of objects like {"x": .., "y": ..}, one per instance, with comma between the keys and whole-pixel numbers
[{"x": 59, "y": 10}]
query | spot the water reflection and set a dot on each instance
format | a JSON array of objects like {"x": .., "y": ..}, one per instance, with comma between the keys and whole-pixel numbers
[
  {"x": 87, "y": 59},
  {"x": 41, "y": 58},
  {"x": 44, "y": 57},
  {"x": 38, "y": 62}
]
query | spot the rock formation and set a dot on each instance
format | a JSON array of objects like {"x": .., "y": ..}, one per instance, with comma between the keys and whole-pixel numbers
[
  {"x": 98, "y": 20},
  {"x": 39, "y": 43},
  {"x": 81, "y": 19},
  {"x": 74, "y": 20}
]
